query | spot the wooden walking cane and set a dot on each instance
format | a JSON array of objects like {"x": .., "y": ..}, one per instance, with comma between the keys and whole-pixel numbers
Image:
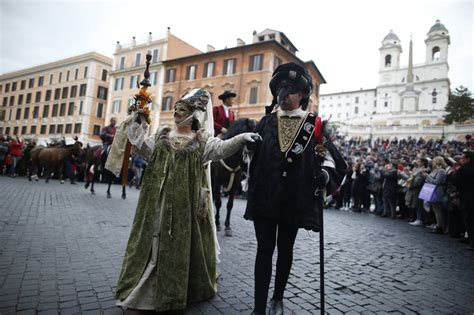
[
  {"x": 142, "y": 99},
  {"x": 318, "y": 134}
]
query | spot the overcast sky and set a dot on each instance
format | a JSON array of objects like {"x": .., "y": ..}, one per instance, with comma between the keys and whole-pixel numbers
[{"x": 341, "y": 37}]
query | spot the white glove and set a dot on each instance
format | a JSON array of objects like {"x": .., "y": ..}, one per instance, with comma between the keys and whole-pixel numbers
[{"x": 251, "y": 137}]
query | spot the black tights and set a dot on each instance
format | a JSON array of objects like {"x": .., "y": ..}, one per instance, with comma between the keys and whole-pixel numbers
[{"x": 266, "y": 232}]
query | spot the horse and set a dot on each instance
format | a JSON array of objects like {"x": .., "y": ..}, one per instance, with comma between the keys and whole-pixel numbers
[
  {"x": 227, "y": 173},
  {"x": 96, "y": 158},
  {"x": 52, "y": 159}
]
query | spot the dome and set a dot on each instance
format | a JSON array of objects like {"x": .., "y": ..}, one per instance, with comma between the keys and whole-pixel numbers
[
  {"x": 438, "y": 27},
  {"x": 391, "y": 36}
]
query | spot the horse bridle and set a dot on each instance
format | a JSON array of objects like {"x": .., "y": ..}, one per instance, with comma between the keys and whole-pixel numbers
[{"x": 232, "y": 172}]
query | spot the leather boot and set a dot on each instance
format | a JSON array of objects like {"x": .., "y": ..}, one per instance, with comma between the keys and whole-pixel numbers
[{"x": 276, "y": 307}]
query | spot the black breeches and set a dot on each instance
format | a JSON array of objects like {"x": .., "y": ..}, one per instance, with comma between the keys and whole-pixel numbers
[{"x": 270, "y": 233}]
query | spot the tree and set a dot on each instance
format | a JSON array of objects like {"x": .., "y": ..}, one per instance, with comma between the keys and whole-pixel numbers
[{"x": 460, "y": 106}]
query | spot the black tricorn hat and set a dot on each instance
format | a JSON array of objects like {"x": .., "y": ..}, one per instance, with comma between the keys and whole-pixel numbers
[
  {"x": 226, "y": 95},
  {"x": 294, "y": 74}
]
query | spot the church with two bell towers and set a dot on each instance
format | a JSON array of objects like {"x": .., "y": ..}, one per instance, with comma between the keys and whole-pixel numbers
[{"x": 407, "y": 101}]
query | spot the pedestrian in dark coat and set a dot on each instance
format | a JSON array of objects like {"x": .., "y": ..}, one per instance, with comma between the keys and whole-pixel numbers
[
  {"x": 389, "y": 188},
  {"x": 463, "y": 179},
  {"x": 287, "y": 180}
]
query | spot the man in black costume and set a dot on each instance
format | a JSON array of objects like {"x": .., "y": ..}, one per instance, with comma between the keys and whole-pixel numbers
[{"x": 290, "y": 172}]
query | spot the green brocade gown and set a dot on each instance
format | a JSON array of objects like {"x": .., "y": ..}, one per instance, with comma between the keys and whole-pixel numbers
[{"x": 170, "y": 259}]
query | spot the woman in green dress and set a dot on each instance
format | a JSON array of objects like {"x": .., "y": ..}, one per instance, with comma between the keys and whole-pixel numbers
[{"x": 171, "y": 255}]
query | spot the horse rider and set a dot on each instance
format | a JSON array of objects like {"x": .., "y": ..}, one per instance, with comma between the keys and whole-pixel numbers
[
  {"x": 289, "y": 171},
  {"x": 223, "y": 115},
  {"x": 107, "y": 134}
]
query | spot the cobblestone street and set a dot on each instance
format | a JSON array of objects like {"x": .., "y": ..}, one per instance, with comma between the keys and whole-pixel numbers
[{"x": 61, "y": 251}]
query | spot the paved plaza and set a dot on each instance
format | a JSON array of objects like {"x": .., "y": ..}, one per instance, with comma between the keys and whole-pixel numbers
[{"x": 61, "y": 251}]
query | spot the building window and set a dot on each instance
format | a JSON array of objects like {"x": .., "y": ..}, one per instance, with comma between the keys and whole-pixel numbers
[
  {"x": 153, "y": 76},
  {"x": 122, "y": 63},
  {"x": 133, "y": 81},
  {"x": 77, "y": 128},
  {"x": 356, "y": 110},
  {"x": 256, "y": 62},
  {"x": 118, "y": 84},
  {"x": 7, "y": 130},
  {"x": 7, "y": 87},
  {"x": 57, "y": 94},
  {"x": 67, "y": 75},
  {"x": 43, "y": 129},
  {"x": 15, "y": 131},
  {"x": 12, "y": 100},
  {"x": 385, "y": 104},
  {"x": 18, "y": 114},
  {"x": 20, "y": 99},
  {"x": 76, "y": 73},
  {"x": 23, "y": 130},
  {"x": 277, "y": 62},
  {"x": 170, "y": 75},
  {"x": 55, "y": 110},
  {"x": 2, "y": 115},
  {"x": 388, "y": 60},
  {"x": 81, "y": 105},
  {"x": 253, "y": 95},
  {"x": 28, "y": 98},
  {"x": 45, "y": 111},
  {"x": 51, "y": 78},
  {"x": 26, "y": 113},
  {"x": 435, "y": 53},
  {"x": 434, "y": 94},
  {"x": 33, "y": 130},
  {"x": 36, "y": 112},
  {"x": 70, "y": 109},
  {"x": 60, "y": 77},
  {"x": 40, "y": 81},
  {"x": 62, "y": 110},
  {"x": 166, "y": 105},
  {"x": 86, "y": 68},
  {"x": 68, "y": 128},
  {"x": 357, "y": 100},
  {"x": 229, "y": 66},
  {"x": 208, "y": 69},
  {"x": 60, "y": 129},
  {"x": 5, "y": 101},
  {"x": 73, "y": 91},
  {"x": 82, "y": 90},
  {"x": 22, "y": 84},
  {"x": 104, "y": 75},
  {"x": 47, "y": 97},
  {"x": 154, "y": 59},
  {"x": 65, "y": 92},
  {"x": 116, "y": 106},
  {"x": 191, "y": 72},
  {"x": 100, "y": 108},
  {"x": 138, "y": 57},
  {"x": 102, "y": 93},
  {"x": 31, "y": 84},
  {"x": 13, "y": 86},
  {"x": 96, "y": 131}
]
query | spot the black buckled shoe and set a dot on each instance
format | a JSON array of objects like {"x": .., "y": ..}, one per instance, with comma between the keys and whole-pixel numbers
[{"x": 276, "y": 307}]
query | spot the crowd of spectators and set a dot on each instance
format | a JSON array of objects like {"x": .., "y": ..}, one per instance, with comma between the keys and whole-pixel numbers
[{"x": 426, "y": 182}]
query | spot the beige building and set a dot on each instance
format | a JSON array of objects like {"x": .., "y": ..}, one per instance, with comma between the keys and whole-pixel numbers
[
  {"x": 64, "y": 98},
  {"x": 245, "y": 69},
  {"x": 128, "y": 68}
]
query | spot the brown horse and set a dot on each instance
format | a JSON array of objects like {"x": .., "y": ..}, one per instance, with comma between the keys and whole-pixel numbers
[
  {"x": 227, "y": 173},
  {"x": 52, "y": 159},
  {"x": 94, "y": 157}
]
